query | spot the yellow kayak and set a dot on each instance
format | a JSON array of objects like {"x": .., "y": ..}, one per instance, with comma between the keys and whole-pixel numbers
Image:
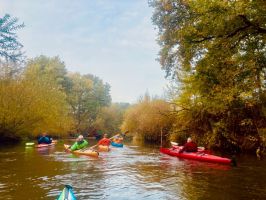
[
  {"x": 86, "y": 152},
  {"x": 103, "y": 148}
]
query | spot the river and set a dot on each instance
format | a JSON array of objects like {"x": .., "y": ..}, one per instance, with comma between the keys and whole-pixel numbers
[{"x": 133, "y": 172}]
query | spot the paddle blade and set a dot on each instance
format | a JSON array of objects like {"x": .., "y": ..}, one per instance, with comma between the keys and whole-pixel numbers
[
  {"x": 29, "y": 143},
  {"x": 174, "y": 143}
]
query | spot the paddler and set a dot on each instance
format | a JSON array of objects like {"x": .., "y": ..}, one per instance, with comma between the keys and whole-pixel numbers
[
  {"x": 190, "y": 146},
  {"x": 118, "y": 138},
  {"x": 104, "y": 141},
  {"x": 45, "y": 139},
  {"x": 79, "y": 144}
]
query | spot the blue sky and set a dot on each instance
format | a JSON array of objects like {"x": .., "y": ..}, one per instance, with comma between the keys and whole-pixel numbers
[{"x": 112, "y": 39}]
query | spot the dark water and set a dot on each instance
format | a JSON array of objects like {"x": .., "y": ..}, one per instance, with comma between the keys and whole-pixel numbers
[{"x": 132, "y": 172}]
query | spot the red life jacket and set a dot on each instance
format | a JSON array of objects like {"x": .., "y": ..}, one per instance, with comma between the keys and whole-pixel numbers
[
  {"x": 104, "y": 142},
  {"x": 189, "y": 147}
]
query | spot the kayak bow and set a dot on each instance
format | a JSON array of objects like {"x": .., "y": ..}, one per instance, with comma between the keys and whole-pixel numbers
[
  {"x": 67, "y": 194},
  {"x": 114, "y": 144}
]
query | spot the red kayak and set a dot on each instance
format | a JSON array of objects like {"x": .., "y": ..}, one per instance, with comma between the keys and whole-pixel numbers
[{"x": 200, "y": 156}]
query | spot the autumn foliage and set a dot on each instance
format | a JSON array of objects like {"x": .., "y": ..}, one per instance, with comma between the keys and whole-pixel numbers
[{"x": 147, "y": 118}]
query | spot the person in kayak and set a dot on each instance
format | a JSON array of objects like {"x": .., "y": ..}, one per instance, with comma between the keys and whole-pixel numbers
[
  {"x": 190, "y": 146},
  {"x": 118, "y": 138},
  {"x": 45, "y": 139},
  {"x": 79, "y": 144},
  {"x": 104, "y": 141}
]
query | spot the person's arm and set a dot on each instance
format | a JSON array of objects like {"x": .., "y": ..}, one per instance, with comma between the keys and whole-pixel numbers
[
  {"x": 84, "y": 144},
  {"x": 40, "y": 140},
  {"x": 183, "y": 149},
  {"x": 74, "y": 146}
]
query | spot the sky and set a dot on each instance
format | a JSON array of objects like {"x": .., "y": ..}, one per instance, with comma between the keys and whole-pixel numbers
[{"x": 112, "y": 39}]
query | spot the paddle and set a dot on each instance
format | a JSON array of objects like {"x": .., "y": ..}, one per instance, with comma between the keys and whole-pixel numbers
[
  {"x": 29, "y": 143},
  {"x": 174, "y": 143}
]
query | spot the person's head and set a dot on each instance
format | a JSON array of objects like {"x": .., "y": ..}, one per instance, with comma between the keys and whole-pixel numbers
[
  {"x": 189, "y": 139},
  {"x": 44, "y": 134},
  {"x": 80, "y": 138},
  {"x": 105, "y": 135}
]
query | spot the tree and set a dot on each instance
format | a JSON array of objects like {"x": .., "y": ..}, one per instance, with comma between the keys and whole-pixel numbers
[
  {"x": 87, "y": 95},
  {"x": 78, "y": 97},
  {"x": 216, "y": 51},
  {"x": 10, "y": 47},
  {"x": 109, "y": 119},
  {"x": 148, "y": 118},
  {"x": 31, "y": 105},
  {"x": 51, "y": 68}
]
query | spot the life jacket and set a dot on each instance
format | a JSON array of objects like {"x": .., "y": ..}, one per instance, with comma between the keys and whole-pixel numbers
[
  {"x": 79, "y": 145},
  {"x": 104, "y": 142},
  {"x": 44, "y": 140},
  {"x": 190, "y": 147}
]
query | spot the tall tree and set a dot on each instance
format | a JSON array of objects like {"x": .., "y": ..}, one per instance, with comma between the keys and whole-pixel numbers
[
  {"x": 10, "y": 47},
  {"x": 87, "y": 94},
  {"x": 51, "y": 68},
  {"x": 216, "y": 50}
]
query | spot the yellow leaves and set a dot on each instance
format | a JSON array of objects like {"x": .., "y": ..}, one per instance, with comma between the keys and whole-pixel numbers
[
  {"x": 33, "y": 103},
  {"x": 166, "y": 5},
  {"x": 147, "y": 118}
]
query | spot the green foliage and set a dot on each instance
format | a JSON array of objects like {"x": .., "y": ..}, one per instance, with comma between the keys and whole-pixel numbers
[
  {"x": 51, "y": 69},
  {"x": 10, "y": 47},
  {"x": 216, "y": 51},
  {"x": 86, "y": 94},
  {"x": 148, "y": 118},
  {"x": 110, "y": 119}
]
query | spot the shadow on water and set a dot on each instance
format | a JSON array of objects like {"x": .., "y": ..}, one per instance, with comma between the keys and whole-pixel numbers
[{"x": 134, "y": 172}]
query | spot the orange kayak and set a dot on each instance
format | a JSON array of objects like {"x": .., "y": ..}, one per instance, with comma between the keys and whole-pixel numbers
[
  {"x": 86, "y": 152},
  {"x": 103, "y": 148}
]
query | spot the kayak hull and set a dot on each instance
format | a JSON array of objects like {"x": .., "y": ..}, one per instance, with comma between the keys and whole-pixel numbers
[
  {"x": 87, "y": 152},
  {"x": 103, "y": 148},
  {"x": 114, "y": 144},
  {"x": 46, "y": 145},
  {"x": 67, "y": 194},
  {"x": 200, "y": 156}
]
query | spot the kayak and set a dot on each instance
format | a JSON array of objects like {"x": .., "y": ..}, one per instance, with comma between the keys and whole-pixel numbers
[
  {"x": 103, "y": 148},
  {"x": 200, "y": 156},
  {"x": 114, "y": 144},
  {"x": 67, "y": 194},
  {"x": 86, "y": 152},
  {"x": 46, "y": 145}
]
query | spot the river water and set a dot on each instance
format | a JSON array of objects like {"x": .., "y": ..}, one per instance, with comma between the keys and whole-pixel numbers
[{"x": 133, "y": 172}]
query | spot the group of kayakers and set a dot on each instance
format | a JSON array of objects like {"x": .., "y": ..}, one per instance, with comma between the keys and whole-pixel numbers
[
  {"x": 189, "y": 146},
  {"x": 105, "y": 141}
]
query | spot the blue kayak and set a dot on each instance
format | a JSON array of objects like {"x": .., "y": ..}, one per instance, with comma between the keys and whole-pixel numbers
[
  {"x": 67, "y": 194},
  {"x": 117, "y": 144}
]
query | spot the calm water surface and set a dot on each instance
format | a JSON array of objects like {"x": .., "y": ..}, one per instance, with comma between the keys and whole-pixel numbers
[{"x": 132, "y": 172}]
